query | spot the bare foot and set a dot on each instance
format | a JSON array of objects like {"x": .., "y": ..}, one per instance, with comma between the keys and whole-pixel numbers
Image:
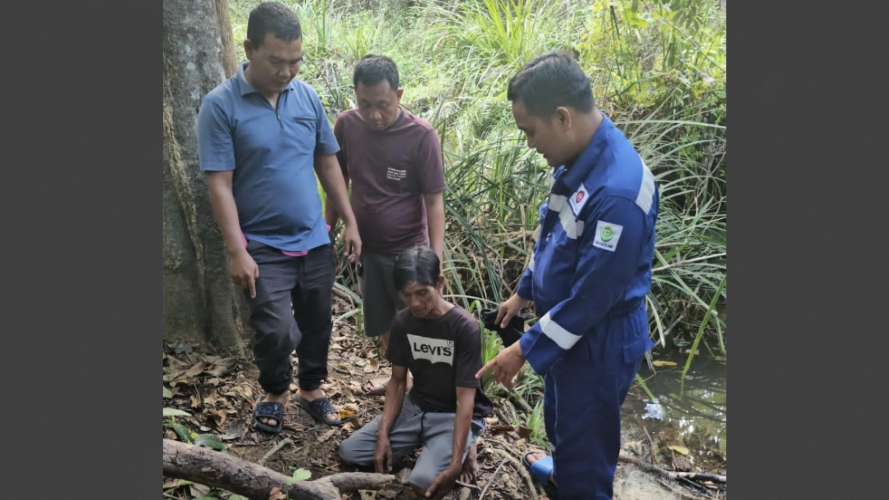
[
  {"x": 274, "y": 398},
  {"x": 470, "y": 465},
  {"x": 376, "y": 387},
  {"x": 534, "y": 457},
  {"x": 312, "y": 396}
]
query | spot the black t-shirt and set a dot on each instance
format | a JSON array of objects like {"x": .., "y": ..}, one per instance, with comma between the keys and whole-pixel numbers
[{"x": 442, "y": 354}]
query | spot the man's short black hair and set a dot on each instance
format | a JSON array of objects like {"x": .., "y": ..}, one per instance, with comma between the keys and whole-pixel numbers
[
  {"x": 416, "y": 265},
  {"x": 372, "y": 69},
  {"x": 549, "y": 81},
  {"x": 275, "y": 18}
]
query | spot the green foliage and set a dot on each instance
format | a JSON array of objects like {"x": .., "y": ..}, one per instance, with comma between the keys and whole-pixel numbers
[
  {"x": 534, "y": 422},
  {"x": 299, "y": 475},
  {"x": 663, "y": 54},
  {"x": 172, "y": 412},
  {"x": 209, "y": 441}
]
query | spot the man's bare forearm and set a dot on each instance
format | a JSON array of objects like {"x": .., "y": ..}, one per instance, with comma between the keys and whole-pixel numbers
[
  {"x": 225, "y": 210},
  {"x": 331, "y": 177},
  {"x": 435, "y": 221},
  {"x": 395, "y": 391},
  {"x": 331, "y": 216},
  {"x": 462, "y": 423}
]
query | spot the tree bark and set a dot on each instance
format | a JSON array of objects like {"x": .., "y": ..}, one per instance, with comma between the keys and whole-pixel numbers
[
  {"x": 200, "y": 301},
  {"x": 214, "y": 469},
  {"x": 224, "y": 26}
]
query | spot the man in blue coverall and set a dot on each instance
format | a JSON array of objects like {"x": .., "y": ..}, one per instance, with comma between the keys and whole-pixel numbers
[{"x": 588, "y": 276}]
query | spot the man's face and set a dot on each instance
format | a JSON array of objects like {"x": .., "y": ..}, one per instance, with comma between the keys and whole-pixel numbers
[
  {"x": 547, "y": 136},
  {"x": 274, "y": 64},
  {"x": 378, "y": 104},
  {"x": 420, "y": 299}
]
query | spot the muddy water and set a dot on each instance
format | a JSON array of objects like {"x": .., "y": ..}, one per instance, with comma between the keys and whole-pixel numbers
[{"x": 695, "y": 419}]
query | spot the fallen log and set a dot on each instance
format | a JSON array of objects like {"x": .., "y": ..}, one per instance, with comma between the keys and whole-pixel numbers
[{"x": 217, "y": 470}]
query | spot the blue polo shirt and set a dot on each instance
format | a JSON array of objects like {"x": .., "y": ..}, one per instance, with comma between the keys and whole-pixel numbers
[{"x": 272, "y": 154}]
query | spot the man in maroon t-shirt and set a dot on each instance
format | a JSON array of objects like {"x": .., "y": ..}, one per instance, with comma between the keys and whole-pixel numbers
[{"x": 393, "y": 160}]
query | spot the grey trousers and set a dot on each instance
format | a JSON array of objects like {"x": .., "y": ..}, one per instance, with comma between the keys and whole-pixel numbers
[{"x": 434, "y": 432}]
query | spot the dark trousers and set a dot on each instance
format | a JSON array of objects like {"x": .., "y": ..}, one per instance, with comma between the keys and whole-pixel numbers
[
  {"x": 582, "y": 401},
  {"x": 306, "y": 283}
]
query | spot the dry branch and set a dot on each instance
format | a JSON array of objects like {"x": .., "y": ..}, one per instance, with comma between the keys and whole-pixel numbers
[
  {"x": 217, "y": 470},
  {"x": 672, "y": 475},
  {"x": 520, "y": 469},
  {"x": 491, "y": 480},
  {"x": 274, "y": 450}
]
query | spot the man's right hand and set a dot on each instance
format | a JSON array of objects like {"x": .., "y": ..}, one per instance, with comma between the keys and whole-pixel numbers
[
  {"x": 244, "y": 271},
  {"x": 511, "y": 308},
  {"x": 383, "y": 456}
]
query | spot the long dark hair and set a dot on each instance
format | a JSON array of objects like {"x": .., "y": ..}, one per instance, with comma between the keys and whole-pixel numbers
[{"x": 417, "y": 265}]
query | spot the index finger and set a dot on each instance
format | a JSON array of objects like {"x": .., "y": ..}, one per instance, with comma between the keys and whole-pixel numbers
[
  {"x": 486, "y": 369},
  {"x": 500, "y": 314},
  {"x": 431, "y": 491},
  {"x": 252, "y": 284},
  {"x": 356, "y": 250}
]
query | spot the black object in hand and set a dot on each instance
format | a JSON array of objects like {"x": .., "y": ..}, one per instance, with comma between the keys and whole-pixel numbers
[{"x": 513, "y": 331}]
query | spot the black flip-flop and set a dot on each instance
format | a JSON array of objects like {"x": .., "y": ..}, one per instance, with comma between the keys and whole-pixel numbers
[
  {"x": 268, "y": 410},
  {"x": 319, "y": 409}
]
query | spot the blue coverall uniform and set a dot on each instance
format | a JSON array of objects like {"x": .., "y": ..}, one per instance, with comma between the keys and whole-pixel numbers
[{"x": 588, "y": 278}]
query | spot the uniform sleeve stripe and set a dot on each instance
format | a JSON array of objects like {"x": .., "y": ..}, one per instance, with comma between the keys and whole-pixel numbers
[
  {"x": 562, "y": 337},
  {"x": 646, "y": 190}
]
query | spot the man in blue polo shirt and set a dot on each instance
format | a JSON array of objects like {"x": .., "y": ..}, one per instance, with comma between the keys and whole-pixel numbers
[
  {"x": 262, "y": 137},
  {"x": 588, "y": 277}
]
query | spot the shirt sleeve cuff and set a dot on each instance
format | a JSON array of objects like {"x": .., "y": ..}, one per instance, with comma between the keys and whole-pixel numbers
[
  {"x": 436, "y": 189},
  {"x": 327, "y": 150},
  {"x": 217, "y": 167}
]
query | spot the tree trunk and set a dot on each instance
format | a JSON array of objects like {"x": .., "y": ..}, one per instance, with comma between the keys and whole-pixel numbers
[
  {"x": 211, "y": 468},
  {"x": 224, "y": 26},
  {"x": 200, "y": 302}
]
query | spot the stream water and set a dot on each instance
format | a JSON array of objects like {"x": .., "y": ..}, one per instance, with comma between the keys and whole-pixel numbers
[{"x": 694, "y": 419}]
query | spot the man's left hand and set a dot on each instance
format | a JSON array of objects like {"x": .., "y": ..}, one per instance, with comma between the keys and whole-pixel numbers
[
  {"x": 351, "y": 243},
  {"x": 444, "y": 483},
  {"x": 506, "y": 365}
]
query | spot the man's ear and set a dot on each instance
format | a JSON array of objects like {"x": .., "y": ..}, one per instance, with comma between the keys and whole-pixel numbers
[
  {"x": 563, "y": 118},
  {"x": 441, "y": 280},
  {"x": 399, "y": 93}
]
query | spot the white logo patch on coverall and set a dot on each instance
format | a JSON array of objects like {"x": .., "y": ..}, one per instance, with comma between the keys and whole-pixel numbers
[{"x": 607, "y": 236}]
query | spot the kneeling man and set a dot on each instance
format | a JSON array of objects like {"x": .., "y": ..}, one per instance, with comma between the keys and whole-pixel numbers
[{"x": 444, "y": 413}]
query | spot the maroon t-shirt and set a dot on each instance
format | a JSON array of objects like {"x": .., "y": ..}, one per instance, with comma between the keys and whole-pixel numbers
[{"x": 390, "y": 171}]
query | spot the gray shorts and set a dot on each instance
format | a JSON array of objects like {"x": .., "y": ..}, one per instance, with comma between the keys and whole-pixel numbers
[
  {"x": 434, "y": 432},
  {"x": 381, "y": 301}
]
